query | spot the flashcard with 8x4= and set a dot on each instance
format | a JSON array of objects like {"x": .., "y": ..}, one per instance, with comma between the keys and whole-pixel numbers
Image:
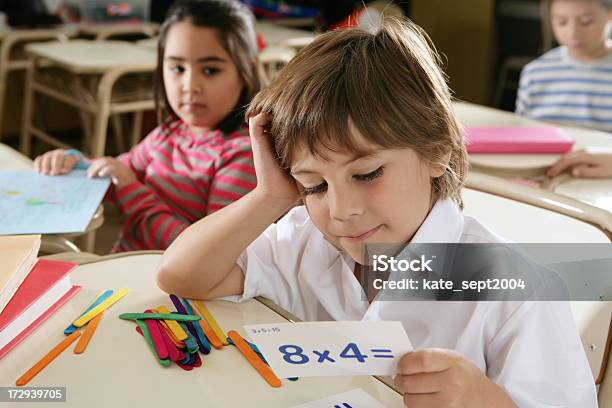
[{"x": 312, "y": 349}]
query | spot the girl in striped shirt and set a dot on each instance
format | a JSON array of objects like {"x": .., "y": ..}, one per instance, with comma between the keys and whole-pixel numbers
[
  {"x": 572, "y": 84},
  {"x": 199, "y": 159}
]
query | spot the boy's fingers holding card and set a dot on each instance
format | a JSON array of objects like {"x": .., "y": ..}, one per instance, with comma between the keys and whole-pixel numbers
[
  {"x": 422, "y": 383},
  {"x": 426, "y": 361}
]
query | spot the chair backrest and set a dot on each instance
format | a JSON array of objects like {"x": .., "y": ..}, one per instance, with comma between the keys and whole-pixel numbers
[
  {"x": 274, "y": 58},
  {"x": 550, "y": 219}
]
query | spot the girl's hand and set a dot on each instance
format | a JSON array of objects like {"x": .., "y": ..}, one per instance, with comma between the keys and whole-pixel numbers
[
  {"x": 55, "y": 163},
  {"x": 272, "y": 181},
  {"x": 582, "y": 163},
  {"x": 445, "y": 378},
  {"x": 120, "y": 174}
]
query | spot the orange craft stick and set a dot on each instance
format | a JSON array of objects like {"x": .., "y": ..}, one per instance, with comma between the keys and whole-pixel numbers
[
  {"x": 208, "y": 331},
  {"x": 89, "y": 331},
  {"x": 254, "y": 359},
  {"x": 47, "y": 359}
]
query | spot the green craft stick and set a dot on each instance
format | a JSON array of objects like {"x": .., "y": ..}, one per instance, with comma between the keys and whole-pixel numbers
[
  {"x": 159, "y": 316},
  {"x": 147, "y": 336}
]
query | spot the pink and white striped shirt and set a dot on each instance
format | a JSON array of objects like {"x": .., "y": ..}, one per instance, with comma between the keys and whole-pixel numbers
[{"x": 182, "y": 177}]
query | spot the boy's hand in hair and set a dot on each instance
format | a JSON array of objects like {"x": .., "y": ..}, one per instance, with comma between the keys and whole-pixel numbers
[
  {"x": 582, "y": 163},
  {"x": 120, "y": 174},
  {"x": 445, "y": 378},
  {"x": 272, "y": 181},
  {"x": 55, "y": 163}
]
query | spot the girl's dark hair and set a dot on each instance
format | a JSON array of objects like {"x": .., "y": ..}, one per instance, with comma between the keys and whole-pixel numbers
[{"x": 235, "y": 25}]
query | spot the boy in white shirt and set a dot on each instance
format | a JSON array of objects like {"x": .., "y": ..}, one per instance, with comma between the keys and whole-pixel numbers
[{"x": 360, "y": 126}]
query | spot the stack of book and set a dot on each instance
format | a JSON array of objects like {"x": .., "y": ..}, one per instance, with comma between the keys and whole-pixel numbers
[{"x": 31, "y": 289}]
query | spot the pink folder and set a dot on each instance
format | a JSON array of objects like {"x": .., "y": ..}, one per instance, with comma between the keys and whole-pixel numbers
[{"x": 503, "y": 139}]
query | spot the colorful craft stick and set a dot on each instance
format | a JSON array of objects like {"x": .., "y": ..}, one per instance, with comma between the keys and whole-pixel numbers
[
  {"x": 47, "y": 359},
  {"x": 254, "y": 360},
  {"x": 211, "y": 322},
  {"x": 190, "y": 327},
  {"x": 102, "y": 296},
  {"x": 212, "y": 337},
  {"x": 202, "y": 341},
  {"x": 174, "y": 353},
  {"x": 89, "y": 332},
  {"x": 105, "y": 304},
  {"x": 190, "y": 342},
  {"x": 179, "y": 333},
  {"x": 159, "y": 316},
  {"x": 156, "y": 337},
  {"x": 145, "y": 333}
]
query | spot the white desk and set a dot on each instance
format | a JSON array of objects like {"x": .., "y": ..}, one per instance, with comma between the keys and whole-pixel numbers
[
  {"x": 520, "y": 164},
  {"x": 11, "y": 53},
  {"x": 278, "y": 35},
  {"x": 88, "y": 76},
  {"x": 118, "y": 368},
  {"x": 595, "y": 192},
  {"x": 11, "y": 159},
  {"x": 524, "y": 223}
]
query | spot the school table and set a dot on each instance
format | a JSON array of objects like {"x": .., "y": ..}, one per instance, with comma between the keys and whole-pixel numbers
[
  {"x": 595, "y": 192},
  {"x": 118, "y": 369},
  {"x": 102, "y": 31},
  {"x": 101, "y": 79},
  {"x": 12, "y": 57},
  {"x": 11, "y": 159},
  {"x": 279, "y": 35},
  {"x": 543, "y": 225}
]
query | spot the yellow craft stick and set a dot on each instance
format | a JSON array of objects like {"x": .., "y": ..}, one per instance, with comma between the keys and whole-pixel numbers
[
  {"x": 89, "y": 331},
  {"x": 211, "y": 322},
  {"x": 173, "y": 325},
  {"x": 47, "y": 359},
  {"x": 81, "y": 321},
  {"x": 177, "y": 342}
]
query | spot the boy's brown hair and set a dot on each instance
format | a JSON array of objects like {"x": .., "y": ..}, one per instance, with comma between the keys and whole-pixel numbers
[{"x": 386, "y": 83}]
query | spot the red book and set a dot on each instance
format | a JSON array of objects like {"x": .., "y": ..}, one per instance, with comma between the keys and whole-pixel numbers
[
  {"x": 517, "y": 139},
  {"x": 46, "y": 288}
]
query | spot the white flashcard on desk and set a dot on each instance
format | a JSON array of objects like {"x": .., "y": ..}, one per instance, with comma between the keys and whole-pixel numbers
[
  {"x": 356, "y": 398},
  {"x": 314, "y": 349}
]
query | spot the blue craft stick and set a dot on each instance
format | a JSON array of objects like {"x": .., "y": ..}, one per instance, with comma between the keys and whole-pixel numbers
[
  {"x": 188, "y": 359},
  {"x": 258, "y": 352},
  {"x": 190, "y": 327},
  {"x": 202, "y": 340},
  {"x": 190, "y": 342},
  {"x": 72, "y": 328}
]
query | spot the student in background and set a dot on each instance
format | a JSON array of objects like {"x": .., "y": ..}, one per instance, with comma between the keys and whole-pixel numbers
[
  {"x": 199, "y": 159},
  {"x": 572, "y": 84},
  {"x": 375, "y": 152},
  {"x": 583, "y": 164}
]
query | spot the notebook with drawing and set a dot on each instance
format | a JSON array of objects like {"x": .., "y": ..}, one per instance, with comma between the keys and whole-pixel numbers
[{"x": 520, "y": 139}]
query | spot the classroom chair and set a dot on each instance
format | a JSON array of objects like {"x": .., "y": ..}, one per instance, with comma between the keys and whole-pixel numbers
[
  {"x": 274, "y": 58},
  {"x": 13, "y": 58},
  {"x": 550, "y": 218},
  {"x": 544, "y": 199},
  {"x": 99, "y": 78}
]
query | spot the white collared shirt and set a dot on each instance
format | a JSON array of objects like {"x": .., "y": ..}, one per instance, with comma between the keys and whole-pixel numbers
[{"x": 530, "y": 349}]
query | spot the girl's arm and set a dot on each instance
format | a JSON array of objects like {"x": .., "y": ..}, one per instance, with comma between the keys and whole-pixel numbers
[{"x": 201, "y": 262}]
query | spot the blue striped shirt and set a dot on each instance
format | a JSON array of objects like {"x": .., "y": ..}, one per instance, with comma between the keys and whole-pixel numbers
[{"x": 557, "y": 88}]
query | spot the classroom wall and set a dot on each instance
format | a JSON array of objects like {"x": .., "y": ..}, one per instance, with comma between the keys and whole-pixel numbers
[{"x": 462, "y": 30}]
